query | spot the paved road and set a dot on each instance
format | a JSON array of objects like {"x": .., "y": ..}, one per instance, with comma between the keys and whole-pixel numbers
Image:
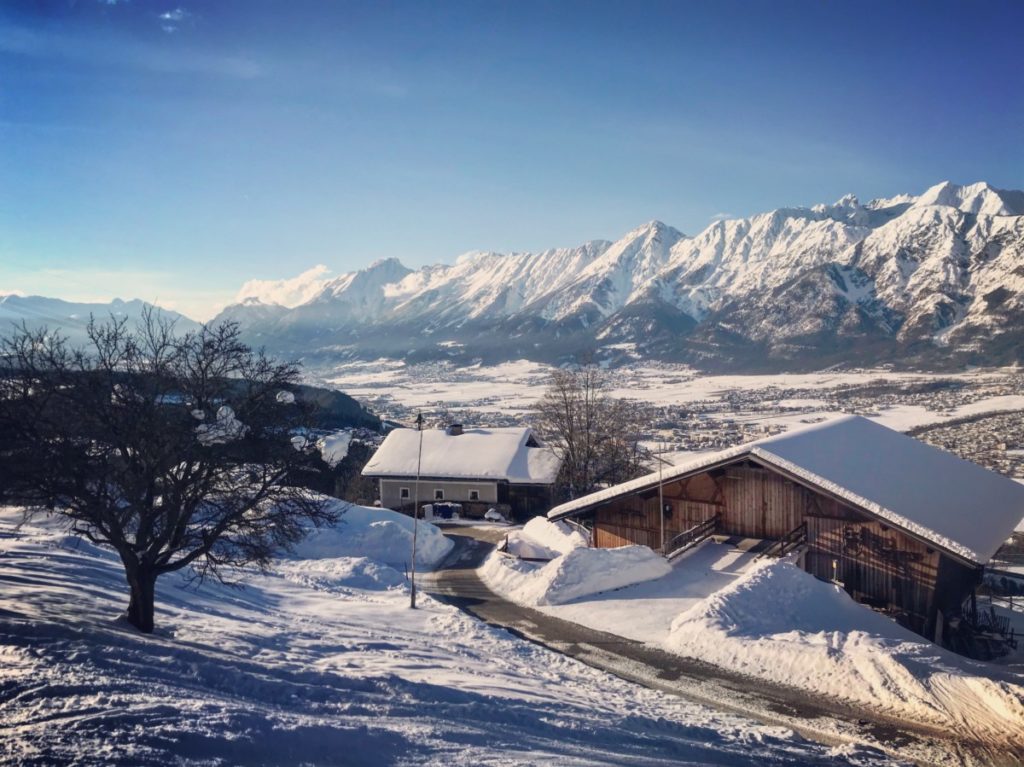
[{"x": 457, "y": 583}]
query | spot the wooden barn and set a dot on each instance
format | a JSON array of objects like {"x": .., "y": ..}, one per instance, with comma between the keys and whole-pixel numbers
[{"x": 901, "y": 525}]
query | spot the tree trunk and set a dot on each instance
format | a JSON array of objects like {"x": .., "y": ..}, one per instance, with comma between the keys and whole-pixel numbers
[{"x": 143, "y": 596}]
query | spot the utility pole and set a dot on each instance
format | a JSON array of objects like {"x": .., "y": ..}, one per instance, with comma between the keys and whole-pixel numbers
[
  {"x": 661, "y": 500},
  {"x": 416, "y": 511}
]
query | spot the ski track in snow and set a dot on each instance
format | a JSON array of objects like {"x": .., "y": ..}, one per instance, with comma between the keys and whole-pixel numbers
[{"x": 320, "y": 662}]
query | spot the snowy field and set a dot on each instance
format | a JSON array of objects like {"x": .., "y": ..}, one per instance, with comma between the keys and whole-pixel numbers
[
  {"x": 770, "y": 620},
  {"x": 509, "y": 390},
  {"x": 320, "y": 662}
]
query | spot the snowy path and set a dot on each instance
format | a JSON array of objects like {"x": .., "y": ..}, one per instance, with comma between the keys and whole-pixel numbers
[
  {"x": 645, "y": 611},
  {"x": 816, "y": 718}
]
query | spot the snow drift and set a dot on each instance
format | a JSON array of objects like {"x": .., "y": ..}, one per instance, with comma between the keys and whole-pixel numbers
[
  {"x": 578, "y": 573},
  {"x": 782, "y": 624},
  {"x": 541, "y": 539},
  {"x": 377, "y": 534},
  {"x": 342, "y": 574}
]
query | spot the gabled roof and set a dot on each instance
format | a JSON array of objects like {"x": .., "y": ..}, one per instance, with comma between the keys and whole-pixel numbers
[
  {"x": 490, "y": 454},
  {"x": 957, "y": 505}
]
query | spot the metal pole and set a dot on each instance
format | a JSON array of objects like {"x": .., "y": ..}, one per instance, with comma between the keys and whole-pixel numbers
[
  {"x": 661, "y": 501},
  {"x": 416, "y": 511}
]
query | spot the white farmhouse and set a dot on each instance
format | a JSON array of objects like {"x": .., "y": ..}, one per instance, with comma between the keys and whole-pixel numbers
[{"x": 505, "y": 468}]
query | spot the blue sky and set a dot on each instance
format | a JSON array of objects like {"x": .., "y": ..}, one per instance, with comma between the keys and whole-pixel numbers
[{"x": 172, "y": 150}]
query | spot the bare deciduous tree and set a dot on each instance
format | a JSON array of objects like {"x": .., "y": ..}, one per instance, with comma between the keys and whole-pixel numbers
[
  {"x": 175, "y": 450},
  {"x": 596, "y": 436}
]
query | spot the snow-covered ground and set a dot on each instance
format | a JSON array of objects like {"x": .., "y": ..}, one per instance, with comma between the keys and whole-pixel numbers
[
  {"x": 378, "y": 534},
  {"x": 779, "y": 623},
  {"x": 769, "y": 619},
  {"x": 511, "y": 388},
  {"x": 320, "y": 662}
]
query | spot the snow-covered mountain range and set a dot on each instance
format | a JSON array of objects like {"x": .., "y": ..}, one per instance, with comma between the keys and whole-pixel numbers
[
  {"x": 936, "y": 278},
  {"x": 72, "y": 318}
]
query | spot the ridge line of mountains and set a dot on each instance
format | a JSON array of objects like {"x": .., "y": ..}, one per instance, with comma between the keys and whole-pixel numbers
[{"x": 935, "y": 280}]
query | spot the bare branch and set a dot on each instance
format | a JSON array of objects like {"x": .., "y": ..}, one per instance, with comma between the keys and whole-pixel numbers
[{"x": 109, "y": 436}]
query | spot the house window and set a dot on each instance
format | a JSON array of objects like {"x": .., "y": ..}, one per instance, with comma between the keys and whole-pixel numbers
[
  {"x": 474, "y": 495},
  {"x": 403, "y": 493},
  {"x": 439, "y": 495}
]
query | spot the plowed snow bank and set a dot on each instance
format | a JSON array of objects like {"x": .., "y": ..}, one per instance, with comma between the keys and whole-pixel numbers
[
  {"x": 579, "y": 573},
  {"x": 782, "y": 624},
  {"x": 542, "y": 539}
]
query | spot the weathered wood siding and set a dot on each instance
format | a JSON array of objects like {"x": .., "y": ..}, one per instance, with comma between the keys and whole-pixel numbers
[
  {"x": 760, "y": 504},
  {"x": 876, "y": 564},
  {"x": 610, "y": 536},
  {"x": 637, "y": 519}
]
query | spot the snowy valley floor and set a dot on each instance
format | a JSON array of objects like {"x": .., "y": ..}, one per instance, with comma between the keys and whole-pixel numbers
[{"x": 319, "y": 663}]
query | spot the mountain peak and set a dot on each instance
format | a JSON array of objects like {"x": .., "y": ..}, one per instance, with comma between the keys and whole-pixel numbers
[
  {"x": 978, "y": 198},
  {"x": 383, "y": 264},
  {"x": 655, "y": 227}
]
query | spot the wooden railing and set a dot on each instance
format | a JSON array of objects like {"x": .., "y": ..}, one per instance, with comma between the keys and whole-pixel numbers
[
  {"x": 795, "y": 537},
  {"x": 689, "y": 538},
  {"x": 987, "y": 620}
]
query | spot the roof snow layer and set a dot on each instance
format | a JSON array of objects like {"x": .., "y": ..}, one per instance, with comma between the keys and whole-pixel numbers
[
  {"x": 491, "y": 454},
  {"x": 955, "y": 504}
]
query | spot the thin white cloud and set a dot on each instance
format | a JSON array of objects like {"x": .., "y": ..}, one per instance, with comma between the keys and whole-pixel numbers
[
  {"x": 171, "y": 21},
  {"x": 177, "y": 15},
  {"x": 723, "y": 216},
  {"x": 290, "y": 292},
  {"x": 117, "y": 52}
]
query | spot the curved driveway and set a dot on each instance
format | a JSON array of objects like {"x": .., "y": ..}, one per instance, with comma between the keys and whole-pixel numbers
[{"x": 457, "y": 582}]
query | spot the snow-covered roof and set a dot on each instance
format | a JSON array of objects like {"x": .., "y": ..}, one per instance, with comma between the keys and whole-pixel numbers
[
  {"x": 491, "y": 454},
  {"x": 957, "y": 505}
]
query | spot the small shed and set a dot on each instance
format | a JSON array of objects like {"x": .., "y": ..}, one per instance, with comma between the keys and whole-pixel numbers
[
  {"x": 506, "y": 468},
  {"x": 901, "y": 525}
]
